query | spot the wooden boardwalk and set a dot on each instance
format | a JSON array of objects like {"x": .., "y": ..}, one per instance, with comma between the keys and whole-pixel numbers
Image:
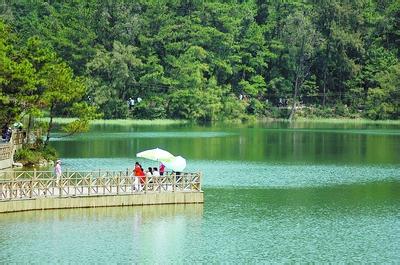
[
  {"x": 8, "y": 149},
  {"x": 29, "y": 186}
]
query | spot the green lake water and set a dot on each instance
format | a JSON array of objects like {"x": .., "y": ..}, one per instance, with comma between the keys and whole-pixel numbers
[{"x": 274, "y": 193}]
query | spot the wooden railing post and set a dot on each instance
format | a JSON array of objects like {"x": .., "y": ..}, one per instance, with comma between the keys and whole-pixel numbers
[
  {"x": 30, "y": 188},
  {"x": 146, "y": 180},
  {"x": 173, "y": 182},
  {"x": 200, "y": 178},
  {"x": 119, "y": 181},
  {"x": 89, "y": 185}
]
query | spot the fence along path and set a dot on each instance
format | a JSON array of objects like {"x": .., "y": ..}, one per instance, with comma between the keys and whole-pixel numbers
[
  {"x": 36, "y": 184},
  {"x": 7, "y": 149}
]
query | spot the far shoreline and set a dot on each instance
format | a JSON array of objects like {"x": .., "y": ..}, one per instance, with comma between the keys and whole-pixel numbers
[{"x": 60, "y": 120}]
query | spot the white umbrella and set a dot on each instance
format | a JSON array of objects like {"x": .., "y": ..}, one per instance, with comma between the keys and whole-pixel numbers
[
  {"x": 156, "y": 154},
  {"x": 177, "y": 163}
]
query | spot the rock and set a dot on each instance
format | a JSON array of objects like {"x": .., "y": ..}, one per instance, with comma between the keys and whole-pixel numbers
[
  {"x": 16, "y": 164},
  {"x": 42, "y": 163}
]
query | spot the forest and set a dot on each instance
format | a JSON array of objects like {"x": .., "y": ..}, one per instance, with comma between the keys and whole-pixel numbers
[{"x": 199, "y": 60}]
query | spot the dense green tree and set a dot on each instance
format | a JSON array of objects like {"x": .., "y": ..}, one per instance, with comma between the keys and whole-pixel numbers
[
  {"x": 302, "y": 42},
  {"x": 384, "y": 100},
  {"x": 114, "y": 78},
  {"x": 197, "y": 59},
  {"x": 34, "y": 80},
  {"x": 18, "y": 80}
]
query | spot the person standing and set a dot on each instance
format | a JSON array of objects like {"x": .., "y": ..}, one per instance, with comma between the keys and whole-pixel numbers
[
  {"x": 156, "y": 177},
  {"x": 58, "y": 170},
  {"x": 155, "y": 172},
  {"x": 139, "y": 173},
  {"x": 4, "y": 132},
  {"x": 162, "y": 169},
  {"x": 149, "y": 173},
  {"x": 8, "y": 134}
]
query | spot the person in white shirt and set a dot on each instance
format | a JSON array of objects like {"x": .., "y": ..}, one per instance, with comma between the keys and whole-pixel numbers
[
  {"x": 149, "y": 173},
  {"x": 155, "y": 172}
]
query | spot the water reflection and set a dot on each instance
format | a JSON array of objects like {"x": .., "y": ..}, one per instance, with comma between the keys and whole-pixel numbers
[
  {"x": 119, "y": 234},
  {"x": 274, "y": 193},
  {"x": 270, "y": 142},
  {"x": 144, "y": 213}
]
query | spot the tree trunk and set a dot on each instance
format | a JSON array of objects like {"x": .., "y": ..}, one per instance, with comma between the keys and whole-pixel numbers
[
  {"x": 327, "y": 58},
  {"x": 50, "y": 125},
  {"x": 28, "y": 129},
  {"x": 324, "y": 96},
  {"x": 296, "y": 88}
]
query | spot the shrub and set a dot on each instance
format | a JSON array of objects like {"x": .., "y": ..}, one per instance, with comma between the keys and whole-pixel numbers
[
  {"x": 115, "y": 109},
  {"x": 29, "y": 156},
  {"x": 150, "y": 108}
]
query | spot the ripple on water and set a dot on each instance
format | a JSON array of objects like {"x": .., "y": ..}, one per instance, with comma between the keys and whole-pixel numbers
[
  {"x": 250, "y": 232},
  {"x": 255, "y": 174},
  {"x": 131, "y": 135}
]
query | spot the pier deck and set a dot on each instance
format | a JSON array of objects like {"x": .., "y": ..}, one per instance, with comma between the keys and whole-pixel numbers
[{"x": 33, "y": 190}]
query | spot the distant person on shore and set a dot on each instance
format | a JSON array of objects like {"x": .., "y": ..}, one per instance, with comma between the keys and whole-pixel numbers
[
  {"x": 58, "y": 170},
  {"x": 162, "y": 169},
  {"x": 4, "y": 130},
  {"x": 8, "y": 134}
]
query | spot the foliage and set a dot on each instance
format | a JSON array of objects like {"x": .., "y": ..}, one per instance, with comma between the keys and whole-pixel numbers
[
  {"x": 29, "y": 156},
  {"x": 383, "y": 102},
  {"x": 153, "y": 107},
  {"x": 34, "y": 80},
  {"x": 200, "y": 60}
]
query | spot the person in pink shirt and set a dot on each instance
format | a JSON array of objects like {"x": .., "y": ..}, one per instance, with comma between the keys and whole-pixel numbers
[
  {"x": 162, "y": 169},
  {"x": 58, "y": 170}
]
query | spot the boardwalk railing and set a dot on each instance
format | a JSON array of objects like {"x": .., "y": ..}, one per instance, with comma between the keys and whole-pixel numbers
[
  {"x": 37, "y": 184},
  {"x": 6, "y": 151}
]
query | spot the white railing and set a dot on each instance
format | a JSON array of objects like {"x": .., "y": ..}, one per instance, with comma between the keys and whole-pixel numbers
[{"x": 37, "y": 184}]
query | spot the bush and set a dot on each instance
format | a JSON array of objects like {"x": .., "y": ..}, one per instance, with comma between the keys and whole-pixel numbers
[
  {"x": 29, "y": 156},
  {"x": 342, "y": 110},
  {"x": 233, "y": 109},
  {"x": 49, "y": 153},
  {"x": 115, "y": 109},
  {"x": 255, "y": 107},
  {"x": 314, "y": 111},
  {"x": 150, "y": 108}
]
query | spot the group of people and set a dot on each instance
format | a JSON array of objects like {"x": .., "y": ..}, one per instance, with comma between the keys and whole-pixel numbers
[
  {"x": 131, "y": 102},
  {"x": 142, "y": 174}
]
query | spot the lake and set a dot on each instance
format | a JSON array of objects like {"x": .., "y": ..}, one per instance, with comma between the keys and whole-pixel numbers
[{"x": 274, "y": 192}]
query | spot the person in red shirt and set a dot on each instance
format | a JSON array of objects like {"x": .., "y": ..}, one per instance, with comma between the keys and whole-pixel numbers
[{"x": 139, "y": 173}]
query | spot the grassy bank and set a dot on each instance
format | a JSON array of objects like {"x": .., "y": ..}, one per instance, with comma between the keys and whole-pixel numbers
[
  {"x": 120, "y": 121},
  {"x": 348, "y": 120},
  {"x": 171, "y": 122}
]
